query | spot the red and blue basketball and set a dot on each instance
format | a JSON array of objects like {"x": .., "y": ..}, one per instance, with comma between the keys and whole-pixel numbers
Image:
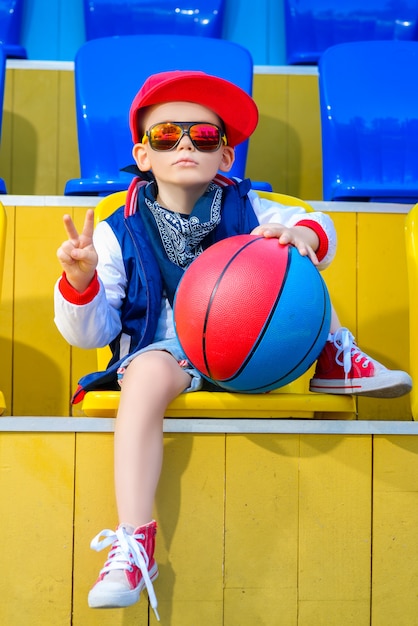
[{"x": 251, "y": 314}]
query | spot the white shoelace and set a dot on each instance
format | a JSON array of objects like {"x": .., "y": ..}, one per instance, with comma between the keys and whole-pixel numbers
[
  {"x": 126, "y": 551},
  {"x": 343, "y": 340}
]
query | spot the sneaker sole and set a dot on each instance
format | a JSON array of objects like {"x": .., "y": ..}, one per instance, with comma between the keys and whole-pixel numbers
[
  {"x": 106, "y": 599},
  {"x": 392, "y": 385}
]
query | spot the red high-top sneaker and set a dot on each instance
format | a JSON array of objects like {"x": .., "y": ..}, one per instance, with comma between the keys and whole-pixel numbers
[
  {"x": 130, "y": 567},
  {"x": 342, "y": 368}
]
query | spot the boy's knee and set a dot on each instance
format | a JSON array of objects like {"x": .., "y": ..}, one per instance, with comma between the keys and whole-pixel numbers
[{"x": 155, "y": 365}]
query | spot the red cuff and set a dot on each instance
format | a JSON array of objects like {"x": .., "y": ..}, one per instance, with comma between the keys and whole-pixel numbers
[
  {"x": 75, "y": 297},
  {"x": 322, "y": 236}
]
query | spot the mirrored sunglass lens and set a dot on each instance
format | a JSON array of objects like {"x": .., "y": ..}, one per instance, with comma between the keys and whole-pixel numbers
[
  {"x": 164, "y": 136},
  {"x": 205, "y": 136}
]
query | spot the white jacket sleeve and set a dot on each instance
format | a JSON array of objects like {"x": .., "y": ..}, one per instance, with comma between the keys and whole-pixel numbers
[
  {"x": 269, "y": 212},
  {"x": 96, "y": 322}
]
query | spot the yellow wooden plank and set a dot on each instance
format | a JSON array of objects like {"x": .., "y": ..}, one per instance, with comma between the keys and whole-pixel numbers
[
  {"x": 268, "y": 145},
  {"x": 68, "y": 160},
  {"x": 82, "y": 361},
  {"x": 6, "y": 313},
  {"x": 395, "y": 539},
  {"x": 334, "y": 613},
  {"x": 261, "y": 530},
  {"x": 304, "y": 164},
  {"x": 41, "y": 355},
  {"x": 189, "y": 512},
  {"x": 383, "y": 304},
  {"x": 334, "y": 530},
  {"x": 7, "y": 130},
  {"x": 35, "y": 132},
  {"x": 37, "y": 486},
  {"x": 95, "y": 510},
  {"x": 341, "y": 275},
  {"x": 411, "y": 249}
]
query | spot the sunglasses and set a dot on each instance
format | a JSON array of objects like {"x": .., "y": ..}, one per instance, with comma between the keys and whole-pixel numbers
[{"x": 165, "y": 136}]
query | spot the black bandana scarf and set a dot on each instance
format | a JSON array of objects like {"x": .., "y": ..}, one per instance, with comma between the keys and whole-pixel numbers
[{"x": 178, "y": 239}]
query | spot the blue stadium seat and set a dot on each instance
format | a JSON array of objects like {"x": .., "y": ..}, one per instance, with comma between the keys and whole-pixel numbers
[
  {"x": 108, "y": 73},
  {"x": 369, "y": 121},
  {"x": 312, "y": 26},
  {"x": 104, "y": 18},
  {"x": 11, "y": 13},
  {"x": 2, "y": 82}
]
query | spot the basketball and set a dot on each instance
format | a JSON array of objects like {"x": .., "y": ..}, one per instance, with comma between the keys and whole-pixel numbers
[{"x": 251, "y": 314}]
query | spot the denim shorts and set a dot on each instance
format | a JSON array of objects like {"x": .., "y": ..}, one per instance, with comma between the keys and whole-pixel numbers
[{"x": 172, "y": 346}]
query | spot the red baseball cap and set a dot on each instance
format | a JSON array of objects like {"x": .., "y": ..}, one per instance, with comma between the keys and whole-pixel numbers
[{"x": 233, "y": 105}]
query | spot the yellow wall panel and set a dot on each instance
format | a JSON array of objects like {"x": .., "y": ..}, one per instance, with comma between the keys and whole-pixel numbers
[
  {"x": 281, "y": 530},
  {"x": 41, "y": 355},
  {"x": 368, "y": 289},
  {"x": 334, "y": 613},
  {"x": 94, "y": 511},
  {"x": 6, "y": 314},
  {"x": 261, "y": 531},
  {"x": 67, "y": 146},
  {"x": 334, "y": 530},
  {"x": 39, "y": 151},
  {"x": 7, "y": 131},
  {"x": 304, "y": 170},
  {"x": 267, "y": 154},
  {"x": 35, "y": 132},
  {"x": 383, "y": 303},
  {"x": 82, "y": 361},
  {"x": 341, "y": 275},
  {"x": 286, "y": 147},
  {"x": 395, "y": 539},
  {"x": 189, "y": 512},
  {"x": 36, "y": 522}
]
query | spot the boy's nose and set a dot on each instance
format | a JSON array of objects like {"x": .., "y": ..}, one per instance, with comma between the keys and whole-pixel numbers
[{"x": 185, "y": 142}]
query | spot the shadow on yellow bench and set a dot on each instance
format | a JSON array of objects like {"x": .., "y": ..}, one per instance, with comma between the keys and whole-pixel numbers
[
  {"x": 411, "y": 232},
  {"x": 292, "y": 401}
]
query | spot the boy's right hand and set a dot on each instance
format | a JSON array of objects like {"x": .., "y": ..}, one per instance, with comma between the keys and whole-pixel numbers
[{"x": 77, "y": 255}]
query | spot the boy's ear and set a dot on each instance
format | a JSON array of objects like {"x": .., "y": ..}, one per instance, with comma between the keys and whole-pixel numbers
[
  {"x": 140, "y": 154},
  {"x": 228, "y": 158}
]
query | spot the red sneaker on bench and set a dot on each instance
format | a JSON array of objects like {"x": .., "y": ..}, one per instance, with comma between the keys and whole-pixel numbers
[{"x": 342, "y": 368}]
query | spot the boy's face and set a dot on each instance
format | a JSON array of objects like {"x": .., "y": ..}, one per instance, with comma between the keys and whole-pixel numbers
[{"x": 184, "y": 165}]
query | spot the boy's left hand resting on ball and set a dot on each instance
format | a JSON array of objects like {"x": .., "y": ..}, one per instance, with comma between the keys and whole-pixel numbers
[{"x": 304, "y": 239}]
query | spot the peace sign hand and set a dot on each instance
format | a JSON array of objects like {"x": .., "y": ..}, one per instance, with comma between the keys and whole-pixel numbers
[{"x": 77, "y": 255}]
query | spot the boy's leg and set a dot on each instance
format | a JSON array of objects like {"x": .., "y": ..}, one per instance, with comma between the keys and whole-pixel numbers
[{"x": 150, "y": 382}]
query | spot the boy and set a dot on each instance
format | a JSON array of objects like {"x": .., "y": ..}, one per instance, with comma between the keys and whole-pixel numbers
[{"x": 119, "y": 290}]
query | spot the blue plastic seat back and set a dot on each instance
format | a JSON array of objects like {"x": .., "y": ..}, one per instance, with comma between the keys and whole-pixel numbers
[
  {"x": 108, "y": 74},
  {"x": 104, "y": 18},
  {"x": 369, "y": 121},
  {"x": 11, "y": 14},
  {"x": 312, "y": 26}
]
